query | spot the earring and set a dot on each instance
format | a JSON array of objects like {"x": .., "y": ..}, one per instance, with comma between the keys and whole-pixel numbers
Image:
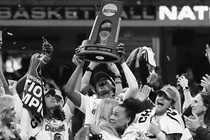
[
  {"x": 204, "y": 111},
  {"x": 126, "y": 125}
]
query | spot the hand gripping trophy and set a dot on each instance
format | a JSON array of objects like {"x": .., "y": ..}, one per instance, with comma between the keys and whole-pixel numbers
[{"x": 103, "y": 39}]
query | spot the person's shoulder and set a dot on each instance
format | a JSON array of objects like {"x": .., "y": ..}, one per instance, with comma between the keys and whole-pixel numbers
[
  {"x": 97, "y": 100},
  {"x": 142, "y": 116},
  {"x": 132, "y": 128},
  {"x": 104, "y": 123},
  {"x": 146, "y": 111},
  {"x": 173, "y": 115}
]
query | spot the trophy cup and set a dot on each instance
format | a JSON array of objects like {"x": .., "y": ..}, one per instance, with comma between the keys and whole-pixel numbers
[{"x": 103, "y": 39}]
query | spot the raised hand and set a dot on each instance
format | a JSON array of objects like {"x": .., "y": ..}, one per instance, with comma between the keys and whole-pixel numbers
[
  {"x": 182, "y": 81},
  {"x": 47, "y": 48},
  {"x": 205, "y": 82},
  {"x": 143, "y": 92},
  {"x": 12, "y": 86},
  {"x": 207, "y": 54},
  {"x": 192, "y": 122},
  {"x": 77, "y": 60},
  {"x": 113, "y": 68},
  {"x": 152, "y": 79},
  {"x": 78, "y": 50},
  {"x": 121, "y": 52},
  {"x": 92, "y": 65}
]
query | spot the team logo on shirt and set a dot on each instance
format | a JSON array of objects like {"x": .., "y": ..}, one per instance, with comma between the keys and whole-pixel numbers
[{"x": 56, "y": 129}]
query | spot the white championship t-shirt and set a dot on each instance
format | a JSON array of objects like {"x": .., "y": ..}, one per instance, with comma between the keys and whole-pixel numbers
[
  {"x": 47, "y": 129},
  {"x": 88, "y": 107},
  {"x": 171, "y": 122}
]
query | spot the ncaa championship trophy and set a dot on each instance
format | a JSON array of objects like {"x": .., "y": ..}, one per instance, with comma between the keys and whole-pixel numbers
[{"x": 103, "y": 39}]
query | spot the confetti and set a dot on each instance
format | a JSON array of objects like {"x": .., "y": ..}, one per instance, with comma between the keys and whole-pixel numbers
[
  {"x": 0, "y": 35},
  {"x": 58, "y": 15},
  {"x": 168, "y": 58},
  {"x": 138, "y": 2},
  {"x": 14, "y": 43},
  {"x": 9, "y": 33},
  {"x": 23, "y": 48},
  {"x": 66, "y": 66}
]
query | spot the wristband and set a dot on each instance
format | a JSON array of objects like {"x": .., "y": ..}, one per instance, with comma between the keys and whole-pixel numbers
[
  {"x": 88, "y": 69},
  {"x": 117, "y": 76},
  {"x": 185, "y": 88},
  {"x": 118, "y": 80},
  {"x": 148, "y": 84}
]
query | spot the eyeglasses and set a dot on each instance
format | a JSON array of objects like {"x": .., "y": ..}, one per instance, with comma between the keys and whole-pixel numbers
[{"x": 162, "y": 94}]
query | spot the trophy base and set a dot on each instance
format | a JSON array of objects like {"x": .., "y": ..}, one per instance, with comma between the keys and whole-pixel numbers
[{"x": 98, "y": 53}]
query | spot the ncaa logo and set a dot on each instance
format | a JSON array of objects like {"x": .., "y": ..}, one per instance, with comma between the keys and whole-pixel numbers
[{"x": 109, "y": 10}]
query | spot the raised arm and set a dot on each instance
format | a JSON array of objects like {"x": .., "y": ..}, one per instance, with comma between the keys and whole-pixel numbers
[
  {"x": 117, "y": 78},
  {"x": 70, "y": 89},
  {"x": 183, "y": 82},
  {"x": 47, "y": 52},
  {"x": 130, "y": 78},
  {"x": 4, "y": 83},
  {"x": 205, "y": 82},
  {"x": 207, "y": 54},
  {"x": 88, "y": 73}
]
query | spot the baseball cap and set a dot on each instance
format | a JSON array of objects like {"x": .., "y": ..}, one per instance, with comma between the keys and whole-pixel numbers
[
  {"x": 54, "y": 92},
  {"x": 170, "y": 91},
  {"x": 101, "y": 74}
]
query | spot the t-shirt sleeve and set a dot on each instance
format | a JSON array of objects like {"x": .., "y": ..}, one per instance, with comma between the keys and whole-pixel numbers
[{"x": 85, "y": 103}]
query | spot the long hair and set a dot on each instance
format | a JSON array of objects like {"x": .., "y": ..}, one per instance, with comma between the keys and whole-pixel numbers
[
  {"x": 104, "y": 109},
  {"x": 5, "y": 103},
  {"x": 206, "y": 101},
  {"x": 177, "y": 101},
  {"x": 59, "y": 114}
]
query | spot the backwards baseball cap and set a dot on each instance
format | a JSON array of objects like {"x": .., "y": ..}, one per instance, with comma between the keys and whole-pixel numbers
[
  {"x": 169, "y": 90},
  {"x": 54, "y": 92},
  {"x": 101, "y": 74}
]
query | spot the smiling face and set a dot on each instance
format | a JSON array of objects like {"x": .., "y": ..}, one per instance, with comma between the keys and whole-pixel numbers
[
  {"x": 119, "y": 119},
  {"x": 103, "y": 86},
  {"x": 197, "y": 106},
  {"x": 10, "y": 113},
  {"x": 162, "y": 103},
  {"x": 51, "y": 101}
]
